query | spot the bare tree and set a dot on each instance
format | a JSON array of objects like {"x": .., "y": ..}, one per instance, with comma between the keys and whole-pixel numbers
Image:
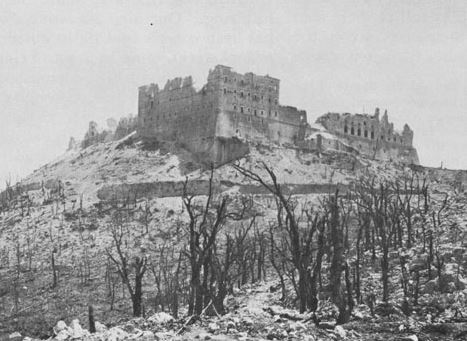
[
  {"x": 128, "y": 266},
  {"x": 299, "y": 240},
  {"x": 206, "y": 220}
]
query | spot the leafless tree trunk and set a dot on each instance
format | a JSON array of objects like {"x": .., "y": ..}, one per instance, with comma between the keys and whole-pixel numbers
[
  {"x": 125, "y": 267},
  {"x": 299, "y": 240},
  {"x": 205, "y": 223}
]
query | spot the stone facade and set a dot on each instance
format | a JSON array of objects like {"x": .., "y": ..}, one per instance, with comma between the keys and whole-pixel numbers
[
  {"x": 218, "y": 121},
  {"x": 371, "y": 136}
]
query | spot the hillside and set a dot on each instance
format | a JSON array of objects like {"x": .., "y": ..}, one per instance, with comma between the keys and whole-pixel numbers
[{"x": 56, "y": 224}]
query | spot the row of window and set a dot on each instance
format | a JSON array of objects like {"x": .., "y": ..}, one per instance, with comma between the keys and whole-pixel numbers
[
  {"x": 243, "y": 83},
  {"x": 193, "y": 107},
  {"x": 248, "y": 95},
  {"x": 180, "y": 97},
  {"x": 359, "y": 132},
  {"x": 248, "y": 118},
  {"x": 394, "y": 139},
  {"x": 255, "y": 111},
  {"x": 162, "y": 116},
  {"x": 365, "y": 134}
]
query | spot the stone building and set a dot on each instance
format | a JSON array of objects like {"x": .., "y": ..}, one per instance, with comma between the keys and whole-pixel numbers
[
  {"x": 371, "y": 136},
  {"x": 233, "y": 110},
  {"x": 219, "y": 121}
]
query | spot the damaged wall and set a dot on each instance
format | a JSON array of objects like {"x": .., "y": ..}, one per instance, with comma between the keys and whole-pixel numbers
[{"x": 371, "y": 136}]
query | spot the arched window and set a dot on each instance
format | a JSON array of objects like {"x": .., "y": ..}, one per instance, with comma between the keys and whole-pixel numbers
[
  {"x": 346, "y": 129},
  {"x": 365, "y": 133},
  {"x": 372, "y": 135},
  {"x": 359, "y": 132},
  {"x": 352, "y": 131}
]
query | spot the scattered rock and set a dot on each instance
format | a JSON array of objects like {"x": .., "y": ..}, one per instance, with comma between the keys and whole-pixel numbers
[
  {"x": 62, "y": 335},
  {"x": 277, "y": 334},
  {"x": 61, "y": 325},
  {"x": 340, "y": 331},
  {"x": 247, "y": 321},
  {"x": 213, "y": 327},
  {"x": 204, "y": 336},
  {"x": 327, "y": 324},
  {"x": 230, "y": 325},
  {"x": 116, "y": 334},
  {"x": 15, "y": 336},
  {"x": 161, "y": 318},
  {"x": 308, "y": 338},
  {"x": 409, "y": 338},
  {"x": 100, "y": 328},
  {"x": 76, "y": 330},
  {"x": 147, "y": 335}
]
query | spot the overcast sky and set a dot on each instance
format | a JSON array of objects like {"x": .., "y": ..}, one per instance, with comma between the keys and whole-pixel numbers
[{"x": 64, "y": 63}]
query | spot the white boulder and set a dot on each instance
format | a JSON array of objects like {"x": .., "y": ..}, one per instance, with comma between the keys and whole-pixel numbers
[
  {"x": 116, "y": 334},
  {"x": 61, "y": 325},
  {"x": 77, "y": 331},
  {"x": 100, "y": 328},
  {"x": 161, "y": 318},
  {"x": 340, "y": 331}
]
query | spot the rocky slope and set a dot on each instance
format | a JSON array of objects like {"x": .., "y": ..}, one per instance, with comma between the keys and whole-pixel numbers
[{"x": 61, "y": 212}]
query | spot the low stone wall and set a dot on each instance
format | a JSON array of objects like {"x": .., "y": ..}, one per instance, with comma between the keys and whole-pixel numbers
[
  {"x": 452, "y": 177},
  {"x": 18, "y": 189},
  {"x": 151, "y": 190},
  {"x": 201, "y": 187}
]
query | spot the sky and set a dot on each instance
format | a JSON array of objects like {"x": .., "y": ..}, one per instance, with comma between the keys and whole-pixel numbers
[{"x": 65, "y": 63}]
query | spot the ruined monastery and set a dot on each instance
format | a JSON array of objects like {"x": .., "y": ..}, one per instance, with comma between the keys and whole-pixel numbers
[{"x": 232, "y": 111}]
